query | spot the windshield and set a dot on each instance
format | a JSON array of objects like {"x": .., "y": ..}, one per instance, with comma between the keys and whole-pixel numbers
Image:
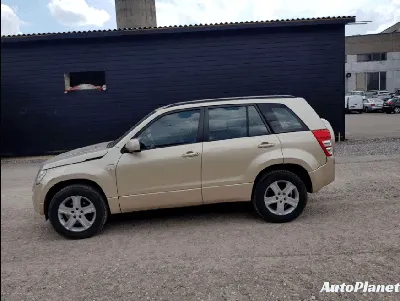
[{"x": 113, "y": 143}]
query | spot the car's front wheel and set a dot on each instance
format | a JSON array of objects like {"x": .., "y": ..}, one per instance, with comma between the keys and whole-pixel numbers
[
  {"x": 78, "y": 211},
  {"x": 397, "y": 110},
  {"x": 280, "y": 196}
]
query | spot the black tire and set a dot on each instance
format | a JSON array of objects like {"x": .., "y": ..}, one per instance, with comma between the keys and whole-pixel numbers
[
  {"x": 264, "y": 182},
  {"x": 366, "y": 110},
  {"x": 87, "y": 192}
]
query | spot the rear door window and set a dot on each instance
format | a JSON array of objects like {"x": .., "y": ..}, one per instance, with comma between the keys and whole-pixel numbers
[
  {"x": 232, "y": 122},
  {"x": 281, "y": 119},
  {"x": 227, "y": 123},
  {"x": 256, "y": 124}
]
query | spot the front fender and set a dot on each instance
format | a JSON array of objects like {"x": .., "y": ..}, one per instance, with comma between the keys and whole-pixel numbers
[{"x": 102, "y": 175}]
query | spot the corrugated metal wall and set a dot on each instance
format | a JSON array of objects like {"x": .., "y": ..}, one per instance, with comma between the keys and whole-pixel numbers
[{"x": 143, "y": 72}]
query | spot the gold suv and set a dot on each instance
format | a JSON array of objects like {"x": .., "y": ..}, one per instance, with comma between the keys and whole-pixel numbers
[{"x": 270, "y": 150}]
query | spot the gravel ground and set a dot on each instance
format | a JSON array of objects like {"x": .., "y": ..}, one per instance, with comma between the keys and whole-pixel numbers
[
  {"x": 375, "y": 147},
  {"x": 349, "y": 232}
]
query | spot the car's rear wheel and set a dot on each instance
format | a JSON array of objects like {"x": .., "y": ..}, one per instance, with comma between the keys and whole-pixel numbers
[
  {"x": 366, "y": 109},
  {"x": 397, "y": 110},
  {"x": 78, "y": 211},
  {"x": 280, "y": 196}
]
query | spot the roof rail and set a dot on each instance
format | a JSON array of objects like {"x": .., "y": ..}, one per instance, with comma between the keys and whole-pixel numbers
[{"x": 227, "y": 98}]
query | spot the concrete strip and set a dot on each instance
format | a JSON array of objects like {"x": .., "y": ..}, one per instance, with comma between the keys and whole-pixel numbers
[{"x": 368, "y": 158}]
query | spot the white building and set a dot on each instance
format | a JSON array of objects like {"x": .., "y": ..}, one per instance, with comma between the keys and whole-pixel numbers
[{"x": 373, "y": 61}]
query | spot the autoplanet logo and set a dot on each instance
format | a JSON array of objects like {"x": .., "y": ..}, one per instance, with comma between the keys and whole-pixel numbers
[{"x": 361, "y": 287}]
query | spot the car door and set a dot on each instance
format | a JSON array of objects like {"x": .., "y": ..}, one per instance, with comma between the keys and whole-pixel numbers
[
  {"x": 167, "y": 170},
  {"x": 237, "y": 146}
]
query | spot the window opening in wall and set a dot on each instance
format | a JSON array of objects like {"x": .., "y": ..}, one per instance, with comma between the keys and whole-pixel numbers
[
  {"x": 382, "y": 80},
  {"x": 369, "y": 57},
  {"x": 88, "y": 80},
  {"x": 376, "y": 81}
]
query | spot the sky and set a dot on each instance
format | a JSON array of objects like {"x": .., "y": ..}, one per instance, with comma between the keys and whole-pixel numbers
[{"x": 42, "y": 16}]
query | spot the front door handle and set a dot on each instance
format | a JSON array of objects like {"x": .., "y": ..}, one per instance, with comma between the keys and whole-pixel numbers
[
  {"x": 266, "y": 145},
  {"x": 190, "y": 154}
]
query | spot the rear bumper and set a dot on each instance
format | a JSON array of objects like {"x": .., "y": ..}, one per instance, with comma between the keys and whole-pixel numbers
[
  {"x": 375, "y": 108},
  {"x": 388, "y": 109},
  {"x": 323, "y": 175}
]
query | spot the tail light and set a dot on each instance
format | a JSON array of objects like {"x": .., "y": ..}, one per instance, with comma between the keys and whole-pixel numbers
[
  {"x": 324, "y": 139},
  {"x": 389, "y": 103},
  {"x": 372, "y": 104}
]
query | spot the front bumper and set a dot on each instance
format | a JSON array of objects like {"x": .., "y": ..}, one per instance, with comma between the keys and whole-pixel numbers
[
  {"x": 323, "y": 175},
  {"x": 38, "y": 198}
]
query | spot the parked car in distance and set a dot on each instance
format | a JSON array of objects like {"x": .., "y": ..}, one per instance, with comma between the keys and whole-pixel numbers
[
  {"x": 269, "y": 150},
  {"x": 353, "y": 103},
  {"x": 362, "y": 93},
  {"x": 396, "y": 93},
  {"x": 392, "y": 106},
  {"x": 381, "y": 94},
  {"x": 378, "y": 92},
  {"x": 373, "y": 104},
  {"x": 385, "y": 97}
]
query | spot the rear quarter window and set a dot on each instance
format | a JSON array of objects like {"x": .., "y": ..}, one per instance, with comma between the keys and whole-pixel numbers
[{"x": 281, "y": 119}]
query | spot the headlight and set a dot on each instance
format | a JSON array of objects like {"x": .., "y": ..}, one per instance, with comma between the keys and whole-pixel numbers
[{"x": 40, "y": 176}]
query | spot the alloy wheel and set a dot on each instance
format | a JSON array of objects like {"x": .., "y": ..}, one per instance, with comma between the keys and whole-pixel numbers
[
  {"x": 281, "y": 197},
  {"x": 76, "y": 213}
]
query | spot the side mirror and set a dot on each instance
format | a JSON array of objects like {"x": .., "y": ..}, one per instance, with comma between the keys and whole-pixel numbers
[{"x": 133, "y": 146}]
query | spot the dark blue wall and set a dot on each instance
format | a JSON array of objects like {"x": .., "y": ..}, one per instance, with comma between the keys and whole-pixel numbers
[{"x": 143, "y": 72}]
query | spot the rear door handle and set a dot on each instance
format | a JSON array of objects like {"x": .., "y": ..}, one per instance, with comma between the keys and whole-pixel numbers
[
  {"x": 266, "y": 145},
  {"x": 190, "y": 154}
]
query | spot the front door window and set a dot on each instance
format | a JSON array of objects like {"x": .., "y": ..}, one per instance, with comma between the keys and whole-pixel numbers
[{"x": 171, "y": 130}]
